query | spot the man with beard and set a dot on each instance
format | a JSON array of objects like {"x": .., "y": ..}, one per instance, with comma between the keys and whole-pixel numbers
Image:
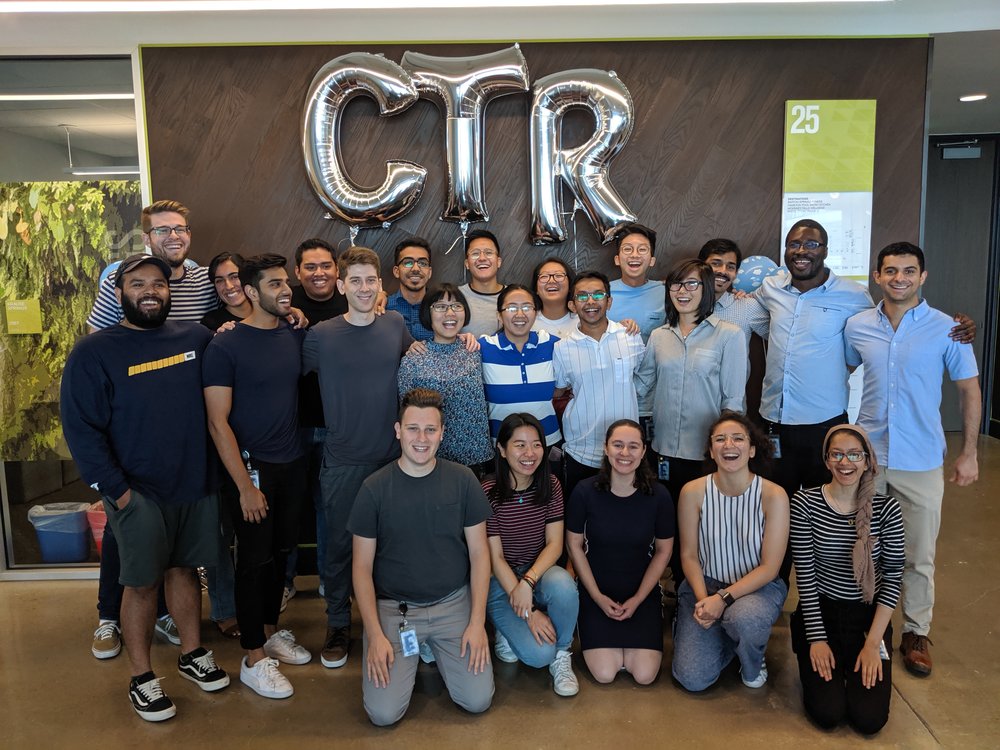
[
  {"x": 412, "y": 266},
  {"x": 724, "y": 256},
  {"x": 251, "y": 378},
  {"x": 134, "y": 420},
  {"x": 167, "y": 234}
]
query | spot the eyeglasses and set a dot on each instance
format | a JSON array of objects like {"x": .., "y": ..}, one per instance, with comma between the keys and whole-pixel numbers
[
  {"x": 691, "y": 285},
  {"x": 808, "y": 245},
  {"x": 545, "y": 277},
  {"x": 524, "y": 307},
  {"x": 738, "y": 438},
  {"x": 180, "y": 231},
  {"x": 584, "y": 296},
  {"x": 852, "y": 456},
  {"x": 409, "y": 263},
  {"x": 629, "y": 250},
  {"x": 477, "y": 254},
  {"x": 443, "y": 307}
]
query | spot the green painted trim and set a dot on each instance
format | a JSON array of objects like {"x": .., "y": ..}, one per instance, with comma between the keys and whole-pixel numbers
[{"x": 376, "y": 42}]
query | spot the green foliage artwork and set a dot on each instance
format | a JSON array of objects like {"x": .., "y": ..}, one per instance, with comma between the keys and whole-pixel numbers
[{"x": 55, "y": 237}]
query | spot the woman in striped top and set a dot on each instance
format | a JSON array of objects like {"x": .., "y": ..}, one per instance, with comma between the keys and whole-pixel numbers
[
  {"x": 847, "y": 543},
  {"x": 532, "y": 602},
  {"x": 733, "y": 530}
]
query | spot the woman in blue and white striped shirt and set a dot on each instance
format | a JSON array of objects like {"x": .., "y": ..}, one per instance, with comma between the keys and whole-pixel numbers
[
  {"x": 733, "y": 530},
  {"x": 847, "y": 543}
]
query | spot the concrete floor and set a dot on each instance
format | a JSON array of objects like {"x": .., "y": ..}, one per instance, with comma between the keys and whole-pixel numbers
[{"x": 54, "y": 694}]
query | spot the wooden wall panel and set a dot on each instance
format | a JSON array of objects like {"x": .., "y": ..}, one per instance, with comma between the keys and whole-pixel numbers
[{"x": 223, "y": 126}]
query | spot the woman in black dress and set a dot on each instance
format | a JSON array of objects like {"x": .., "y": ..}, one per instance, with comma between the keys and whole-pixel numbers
[{"x": 612, "y": 523}]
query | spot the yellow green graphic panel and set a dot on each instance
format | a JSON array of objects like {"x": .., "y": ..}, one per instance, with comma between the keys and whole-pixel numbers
[{"x": 829, "y": 145}]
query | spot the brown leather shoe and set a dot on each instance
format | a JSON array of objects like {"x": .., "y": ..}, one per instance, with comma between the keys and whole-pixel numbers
[{"x": 916, "y": 654}]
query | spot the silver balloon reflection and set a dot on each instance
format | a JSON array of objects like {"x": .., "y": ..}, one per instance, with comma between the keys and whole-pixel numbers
[
  {"x": 584, "y": 169},
  {"x": 336, "y": 83},
  {"x": 462, "y": 86}
]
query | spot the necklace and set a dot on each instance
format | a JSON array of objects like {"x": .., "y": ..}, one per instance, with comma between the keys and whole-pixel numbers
[
  {"x": 522, "y": 493},
  {"x": 836, "y": 506}
]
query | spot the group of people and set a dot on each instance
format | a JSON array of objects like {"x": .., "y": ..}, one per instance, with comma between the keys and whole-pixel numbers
[{"x": 535, "y": 456}]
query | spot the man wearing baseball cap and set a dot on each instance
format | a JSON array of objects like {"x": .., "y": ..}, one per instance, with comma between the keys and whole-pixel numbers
[{"x": 134, "y": 419}]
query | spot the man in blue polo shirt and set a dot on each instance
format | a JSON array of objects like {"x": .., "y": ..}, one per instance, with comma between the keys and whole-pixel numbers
[
  {"x": 412, "y": 266},
  {"x": 903, "y": 344}
]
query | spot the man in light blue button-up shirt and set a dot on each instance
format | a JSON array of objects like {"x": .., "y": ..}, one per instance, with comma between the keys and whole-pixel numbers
[{"x": 904, "y": 345}]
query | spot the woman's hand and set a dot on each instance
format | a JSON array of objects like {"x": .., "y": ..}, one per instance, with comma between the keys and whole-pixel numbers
[
  {"x": 608, "y": 606},
  {"x": 709, "y": 610},
  {"x": 822, "y": 659},
  {"x": 628, "y": 608},
  {"x": 521, "y": 598},
  {"x": 869, "y": 663},
  {"x": 542, "y": 628}
]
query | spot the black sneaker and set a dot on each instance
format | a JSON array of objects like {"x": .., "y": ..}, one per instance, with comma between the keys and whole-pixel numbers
[
  {"x": 199, "y": 666},
  {"x": 336, "y": 648},
  {"x": 148, "y": 699}
]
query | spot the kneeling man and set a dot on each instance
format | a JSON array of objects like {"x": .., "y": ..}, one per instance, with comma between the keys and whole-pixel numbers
[{"x": 422, "y": 569}]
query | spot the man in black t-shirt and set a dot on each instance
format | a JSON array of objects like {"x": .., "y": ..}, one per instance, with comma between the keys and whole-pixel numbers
[{"x": 421, "y": 569}]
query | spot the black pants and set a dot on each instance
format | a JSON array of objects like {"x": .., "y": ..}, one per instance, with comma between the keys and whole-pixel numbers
[
  {"x": 681, "y": 471},
  {"x": 262, "y": 548},
  {"x": 573, "y": 473},
  {"x": 801, "y": 464},
  {"x": 844, "y": 698}
]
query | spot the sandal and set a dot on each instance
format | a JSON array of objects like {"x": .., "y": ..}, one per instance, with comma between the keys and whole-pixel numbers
[{"x": 232, "y": 630}]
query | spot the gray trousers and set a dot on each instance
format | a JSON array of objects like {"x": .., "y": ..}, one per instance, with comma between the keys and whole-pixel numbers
[{"x": 440, "y": 626}]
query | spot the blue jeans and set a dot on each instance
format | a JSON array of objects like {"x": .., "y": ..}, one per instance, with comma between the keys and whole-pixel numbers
[
  {"x": 222, "y": 576},
  {"x": 701, "y": 654},
  {"x": 555, "y": 595}
]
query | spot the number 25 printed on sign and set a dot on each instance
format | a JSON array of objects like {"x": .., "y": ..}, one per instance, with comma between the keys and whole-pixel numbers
[{"x": 805, "y": 119}]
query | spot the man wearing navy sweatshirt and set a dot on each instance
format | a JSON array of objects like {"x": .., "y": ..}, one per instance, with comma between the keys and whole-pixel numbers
[{"x": 134, "y": 419}]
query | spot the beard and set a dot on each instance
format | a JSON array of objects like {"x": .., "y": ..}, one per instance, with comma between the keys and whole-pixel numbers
[{"x": 142, "y": 318}]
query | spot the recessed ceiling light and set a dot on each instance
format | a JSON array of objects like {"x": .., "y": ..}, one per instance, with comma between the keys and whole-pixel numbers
[{"x": 972, "y": 98}]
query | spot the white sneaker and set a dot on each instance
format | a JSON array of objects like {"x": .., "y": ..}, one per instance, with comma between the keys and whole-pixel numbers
[
  {"x": 760, "y": 680},
  {"x": 426, "y": 655},
  {"x": 282, "y": 646},
  {"x": 265, "y": 679},
  {"x": 564, "y": 682},
  {"x": 286, "y": 595},
  {"x": 503, "y": 650}
]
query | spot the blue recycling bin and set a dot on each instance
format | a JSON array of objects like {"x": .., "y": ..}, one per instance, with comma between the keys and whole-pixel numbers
[{"x": 62, "y": 531}]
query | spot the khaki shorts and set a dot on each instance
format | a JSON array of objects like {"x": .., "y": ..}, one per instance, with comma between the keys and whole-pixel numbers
[{"x": 153, "y": 536}]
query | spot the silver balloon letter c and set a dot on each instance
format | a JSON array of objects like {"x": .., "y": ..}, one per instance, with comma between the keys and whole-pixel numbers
[
  {"x": 584, "y": 169},
  {"x": 336, "y": 83}
]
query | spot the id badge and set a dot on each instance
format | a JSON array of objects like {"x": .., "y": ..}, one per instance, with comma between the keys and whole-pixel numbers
[
  {"x": 663, "y": 469},
  {"x": 776, "y": 444},
  {"x": 883, "y": 652},
  {"x": 255, "y": 478},
  {"x": 408, "y": 639}
]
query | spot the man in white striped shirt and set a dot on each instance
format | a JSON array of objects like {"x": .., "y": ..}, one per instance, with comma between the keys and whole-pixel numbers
[
  {"x": 597, "y": 362},
  {"x": 166, "y": 232}
]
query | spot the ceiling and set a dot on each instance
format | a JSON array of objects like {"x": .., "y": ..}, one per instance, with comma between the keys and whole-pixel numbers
[{"x": 966, "y": 63}]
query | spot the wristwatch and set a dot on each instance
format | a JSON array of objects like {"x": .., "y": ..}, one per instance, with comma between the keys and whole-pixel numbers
[{"x": 726, "y": 597}]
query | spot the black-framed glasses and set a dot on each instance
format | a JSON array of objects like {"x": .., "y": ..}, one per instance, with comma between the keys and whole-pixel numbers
[
  {"x": 584, "y": 296},
  {"x": 546, "y": 277},
  {"x": 409, "y": 263},
  {"x": 524, "y": 307},
  {"x": 808, "y": 245},
  {"x": 852, "y": 456},
  {"x": 179, "y": 230},
  {"x": 691, "y": 285},
  {"x": 443, "y": 307}
]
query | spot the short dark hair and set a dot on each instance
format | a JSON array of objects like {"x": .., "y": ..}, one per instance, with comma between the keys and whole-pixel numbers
[
  {"x": 411, "y": 242},
  {"x": 218, "y": 260},
  {"x": 720, "y": 246},
  {"x": 570, "y": 276},
  {"x": 506, "y": 291},
  {"x": 764, "y": 449},
  {"x": 541, "y": 481},
  {"x": 644, "y": 476},
  {"x": 679, "y": 272},
  {"x": 421, "y": 398},
  {"x": 900, "y": 248},
  {"x": 477, "y": 234},
  {"x": 436, "y": 295},
  {"x": 358, "y": 256},
  {"x": 590, "y": 275},
  {"x": 313, "y": 244},
  {"x": 808, "y": 224},
  {"x": 253, "y": 268},
  {"x": 628, "y": 229}
]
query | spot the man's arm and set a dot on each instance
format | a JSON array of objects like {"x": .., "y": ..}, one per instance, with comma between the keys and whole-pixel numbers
[
  {"x": 218, "y": 404},
  {"x": 380, "y": 652},
  {"x": 474, "y": 638},
  {"x": 106, "y": 311},
  {"x": 966, "y": 469}
]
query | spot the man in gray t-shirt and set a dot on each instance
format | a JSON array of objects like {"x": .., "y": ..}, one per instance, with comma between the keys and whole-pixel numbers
[{"x": 422, "y": 569}]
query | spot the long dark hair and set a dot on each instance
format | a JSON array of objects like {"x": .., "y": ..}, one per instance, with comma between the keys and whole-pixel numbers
[
  {"x": 541, "y": 481},
  {"x": 764, "y": 453},
  {"x": 706, "y": 276},
  {"x": 644, "y": 476}
]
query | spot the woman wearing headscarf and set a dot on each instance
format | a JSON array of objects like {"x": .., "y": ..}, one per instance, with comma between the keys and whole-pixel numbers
[{"x": 847, "y": 544}]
